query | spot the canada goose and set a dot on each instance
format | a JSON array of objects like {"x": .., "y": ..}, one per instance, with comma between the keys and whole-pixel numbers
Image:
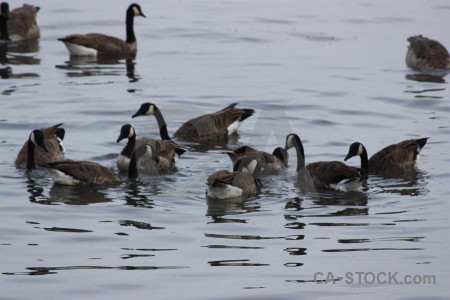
[
  {"x": 209, "y": 127},
  {"x": 36, "y": 138},
  {"x": 244, "y": 180},
  {"x": 325, "y": 174},
  {"x": 53, "y": 144},
  {"x": 270, "y": 163},
  {"x": 81, "y": 172},
  {"x": 96, "y": 44},
  {"x": 20, "y": 24},
  {"x": 165, "y": 151},
  {"x": 424, "y": 53},
  {"x": 393, "y": 159}
]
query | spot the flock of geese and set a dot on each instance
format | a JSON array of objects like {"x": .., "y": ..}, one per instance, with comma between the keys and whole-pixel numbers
[{"x": 44, "y": 147}]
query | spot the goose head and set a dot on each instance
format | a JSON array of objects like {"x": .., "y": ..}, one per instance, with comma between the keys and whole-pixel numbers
[
  {"x": 249, "y": 166},
  {"x": 146, "y": 109},
  {"x": 127, "y": 131},
  {"x": 292, "y": 140},
  {"x": 4, "y": 10},
  {"x": 282, "y": 154},
  {"x": 136, "y": 10},
  {"x": 143, "y": 151},
  {"x": 356, "y": 149}
]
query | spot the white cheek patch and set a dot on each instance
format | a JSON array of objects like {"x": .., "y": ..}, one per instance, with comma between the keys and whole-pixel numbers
[
  {"x": 136, "y": 11},
  {"x": 289, "y": 142},
  {"x": 151, "y": 110},
  {"x": 131, "y": 132},
  {"x": 32, "y": 138},
  {"x": 360, "y": 150}
]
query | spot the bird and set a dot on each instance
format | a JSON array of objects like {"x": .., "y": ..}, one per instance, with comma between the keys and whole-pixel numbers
[
  {"x": 20, "y": 24},
  {"x": 82, "y": 172},
  {"x": 36, "y": 140},
  {"x": 270, "y": 163},
  {"x": 333, "y": 175},
  {"x": 53, "y": 136},
  {"x": 165, "y": 151},
  {"x": 243, "y": 181},
  {"x": 97, "y": 44},
  {"x": 391, "y": 160},
  {"x": 426, "y": 54},
  {"x": 210, "y": 127}
]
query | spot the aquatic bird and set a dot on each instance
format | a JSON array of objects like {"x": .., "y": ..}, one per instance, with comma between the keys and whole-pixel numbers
[
  {"x": 325, "y": 174},
  {"x": 96, "y": 44},
  {"x": 165, "y": 151},
  {"x": 81, "y": 172},
  {"x": 243, "y": 181},
  {"x": 36, "y": 138},
  {"x": 424, "y": 53},
  {"x": 55, "y": 151},
  {"x": 20, "y": 24},
  {"x": 270, "y": 163},
  {"x": 210, "y": 127},
  {"x": 393, "y": 159}
]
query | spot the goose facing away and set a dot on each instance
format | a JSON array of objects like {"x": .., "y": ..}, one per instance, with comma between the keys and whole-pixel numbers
[
  {"x": 20, "y": 24},
  {"x": 210, "y": 127},
  {"x": 325, "y": 174},
  {"x": 270, "y": 163},
  {"x": 52, "y": 140},
  {"x": 96, "y": 44},
  {"x": 424, "y": 53},
  {"x": 165, "y": 151},
  {"x": 391, "y": 160},
  {"x": 36, "y": 138},
  {"x": 243, "y": 181},
  {"x": 81, "y": 172}
]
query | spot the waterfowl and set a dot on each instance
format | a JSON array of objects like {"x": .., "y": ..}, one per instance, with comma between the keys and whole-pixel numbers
[
  {"x": 210, "y": 127},
  {"x": 393, "y": 159},
  {"x": 36, "y": 138},
  {"x": 325, "y": 174},
  {"x": 81, "y": 172},
  {"x": 96, "y": 44},
  {"x": 270, "y": 163},
  {"x": 55, "y": 151},
  {"x": 424, "y": 53},
  {"x": 243, "y": 181},
  {"x": 20, "y": 24},
  {"x": 165, "y": 151}
]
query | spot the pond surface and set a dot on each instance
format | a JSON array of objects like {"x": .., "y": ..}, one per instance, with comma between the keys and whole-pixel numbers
[{"x": 332, "y": 72}]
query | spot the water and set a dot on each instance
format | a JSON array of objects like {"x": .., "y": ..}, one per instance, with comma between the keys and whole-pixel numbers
[{"x": 332, "y": 72}]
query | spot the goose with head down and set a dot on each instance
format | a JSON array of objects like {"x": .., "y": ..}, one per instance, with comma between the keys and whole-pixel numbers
[
  {"x": 20, "y": 24},
  {"x": 426, "y": 54}
]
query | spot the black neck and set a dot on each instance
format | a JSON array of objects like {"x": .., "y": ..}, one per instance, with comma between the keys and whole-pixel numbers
[
  {"x": 129, "y": 147},
  {"x": 364, "y": 160},
  {"x": 30, "y": 156},
  {"x": 129, "y": 26},
  {"x": 132, "y": 168},
  {"x": 162, "y": 124},
  {"x": 4, "y": 29},
  {"x": 300, "y": 155}
]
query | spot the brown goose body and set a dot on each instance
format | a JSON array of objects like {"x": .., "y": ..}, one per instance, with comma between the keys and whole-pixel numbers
[
  {"x": 21, "y": 23},
  {"x": 270, "y": 163},
  {"x": 333, "y": 175},
  {"x": 210, "y": 127},
  {"x": 55, "y": 151},
  {"x": 243, "y": 181},
  {"x": 424, "y": 53},
  {"x": 97, "y": 44},
  {"x": 391, "y": 160},
  {"x": 81, "y": 172},
  {"x": 165, "y": 151}
]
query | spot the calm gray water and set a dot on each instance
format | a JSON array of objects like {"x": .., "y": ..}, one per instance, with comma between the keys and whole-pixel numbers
[{"x": 333, "y": 72}]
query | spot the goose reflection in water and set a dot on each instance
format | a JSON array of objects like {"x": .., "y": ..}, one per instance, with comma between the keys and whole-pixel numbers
[
  {"x": 218, "y": 209},
  {"x": 85, "y": 66},
  {"x": 413, "y": 183}
]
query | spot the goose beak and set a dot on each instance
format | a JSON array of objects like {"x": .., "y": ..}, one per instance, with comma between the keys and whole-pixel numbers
[{"x": 348, "y": 157}]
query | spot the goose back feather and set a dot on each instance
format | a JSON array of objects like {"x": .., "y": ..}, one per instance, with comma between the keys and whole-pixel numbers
[
  {"x": 20, "y": 24},
  {"x": 424, "y": 53}
]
